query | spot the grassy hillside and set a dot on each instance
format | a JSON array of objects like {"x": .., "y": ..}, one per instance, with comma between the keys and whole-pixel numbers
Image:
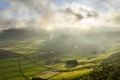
[
  {"x": 46, "y": 58},
  {"x": 33, "y": 66}
]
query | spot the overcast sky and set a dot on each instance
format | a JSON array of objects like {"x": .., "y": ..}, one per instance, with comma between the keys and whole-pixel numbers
[{"x": 52, "y": 14}]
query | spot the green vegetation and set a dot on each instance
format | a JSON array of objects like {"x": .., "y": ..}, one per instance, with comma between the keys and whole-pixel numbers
[
  {"x": 71, "y": 75},
  {"x": 107, "y": 70},
  {"x": 42, "y": 58},
  {"x": 33, "y": 66}
]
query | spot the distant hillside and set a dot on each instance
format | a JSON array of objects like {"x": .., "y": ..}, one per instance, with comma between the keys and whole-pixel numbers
[
  {"x": 22, "y": 34},
  {"x": 7, "y": 54}
]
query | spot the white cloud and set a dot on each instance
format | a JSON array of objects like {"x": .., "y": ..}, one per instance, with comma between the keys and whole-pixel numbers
[{"x": 47, "y": 15}]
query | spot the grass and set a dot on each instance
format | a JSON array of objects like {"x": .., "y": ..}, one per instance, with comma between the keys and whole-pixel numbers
[
  {"x": 9, "y": 69},
  {"x": 30, "y": 68},
  {"x": 76, "y": 72},
  {"x": 71, "y": 75},
  {"x": 25, "y": 47},
  {"x": 18, "y": 78},
  {"x": 34, "y": 70}
]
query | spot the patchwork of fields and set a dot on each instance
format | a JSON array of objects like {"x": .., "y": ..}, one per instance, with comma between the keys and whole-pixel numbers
[
  {"x": 19, "y": 68},
  {"x": 25, "y": 60}
]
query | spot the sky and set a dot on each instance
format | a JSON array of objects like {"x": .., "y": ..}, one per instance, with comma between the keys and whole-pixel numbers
[
  {"x": 55, "y": 14},
  {"x": 89, "y": 3},
  {"x": 4, "y": 4}
]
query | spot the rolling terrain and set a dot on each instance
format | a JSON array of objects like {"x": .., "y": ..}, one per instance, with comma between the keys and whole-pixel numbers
[{"x": 25, "y": 57}]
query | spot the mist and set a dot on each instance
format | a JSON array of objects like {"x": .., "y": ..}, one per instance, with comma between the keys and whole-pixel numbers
[
  {"x": 50, "y": 39},
  {"x": 71, "y": 27}
]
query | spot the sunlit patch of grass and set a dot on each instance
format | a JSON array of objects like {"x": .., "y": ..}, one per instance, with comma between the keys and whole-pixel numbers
[
  {"x": 34, "y": 70},
  {"x": 101, "y": 57},
  {"x": 25, "y": 47},
  {"x": 18, "y": 78},
  {"x": 71, "y": 75},
  {"x": 47, "y": 74},
  {"x": 83, "y": 66}
]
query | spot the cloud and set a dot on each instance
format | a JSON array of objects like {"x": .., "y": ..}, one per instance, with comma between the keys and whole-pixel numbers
[
  {"x": 110, "y": 4},
  {"x": 46, "y": 14},
  {"x": 22, "y": 12},
  {"x": 79, "y": 11},
  {"x": 32, "y": 4},
  {"x": 113, "y": 18}
]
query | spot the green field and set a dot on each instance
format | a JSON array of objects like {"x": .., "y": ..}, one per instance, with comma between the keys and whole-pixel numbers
[
  {"x": 47, "y": 58},
  {"x": 33, "y": 65}
]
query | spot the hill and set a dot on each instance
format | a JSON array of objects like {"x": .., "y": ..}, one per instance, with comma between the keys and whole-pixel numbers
[
  {"x": 43, "y": 54},
  {"x": 7, "y": 54}
]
